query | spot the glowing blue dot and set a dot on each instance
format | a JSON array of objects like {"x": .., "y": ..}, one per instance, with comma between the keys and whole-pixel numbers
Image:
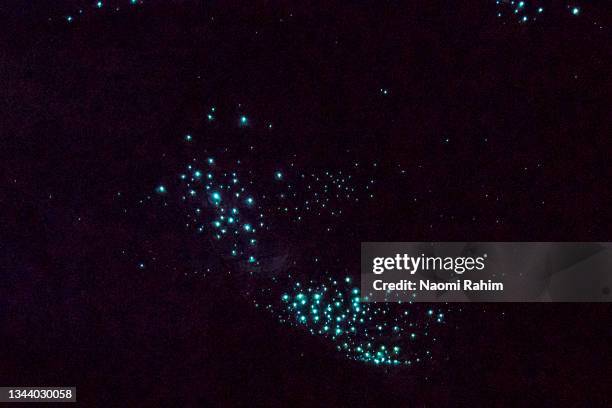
[
  {"x": 247, "y": 227},
  {"x": 99, "y": 4},
  {"x": 249, "y": 201},
  {"x": 244, "y": 120},
  {"x": 278, "y": 175},
  {"x": 210, "y": 160},
  {"x": 161, "y": 189},
  {"x": 216, "y": 196},
  {"x": 69, "y": 19},
  {"x": 188, "y": 138},
  {"x": 133, "y": 1},
  {"x": 575, "y": 11},
  {"x": 251, "y": 259},
  {"x": 197, "y": 174},
  {"x": 210, "y": 117}
]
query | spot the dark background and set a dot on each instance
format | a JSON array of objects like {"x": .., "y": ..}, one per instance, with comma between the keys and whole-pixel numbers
[{"x": 99, "y": 106}]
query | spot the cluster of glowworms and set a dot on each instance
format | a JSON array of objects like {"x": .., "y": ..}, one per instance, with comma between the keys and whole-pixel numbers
[
  {"x": 246, "y": 219},
  {"x": 243, "y": 215},
  {"x": 524, "y": 11}
]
